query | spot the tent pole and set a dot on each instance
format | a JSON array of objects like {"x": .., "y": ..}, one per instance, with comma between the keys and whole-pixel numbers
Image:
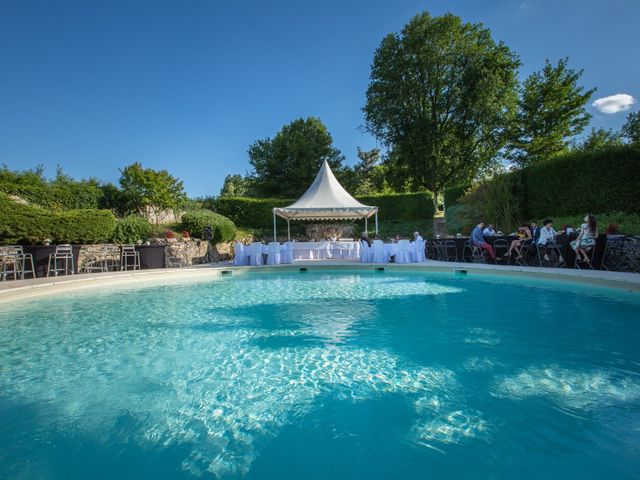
[
  {"x": 274, "y": 227},
  {"x": 288, "y": 229},
  {"x": 376, "y": 222},
  {"x": 366, "y": 229}
]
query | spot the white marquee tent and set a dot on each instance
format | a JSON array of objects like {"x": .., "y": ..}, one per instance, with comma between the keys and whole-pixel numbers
[{"x": 325, "y": 199}]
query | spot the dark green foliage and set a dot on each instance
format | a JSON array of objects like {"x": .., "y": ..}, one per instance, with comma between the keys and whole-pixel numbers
[
  {"x": 441, "y": 96},
  {"x": 600, "y": 138},
  {"x": 30, "y": 224},
  {"x": 250, "y": 212},
  {"x": 132, "y": 229},
  {"x": 224, "y": 230},
  {"x": 631, "y": 128},
  {"x": 460, "y": 219},
  {"x": 551, "y": 110},
  {"x": 258, "y": 213},
  {"x": 285, "y": 165},
  {"x": 606, "y": 180},
  {"x": 453, "y": 195},
  {"x": 629, "y": 223}
]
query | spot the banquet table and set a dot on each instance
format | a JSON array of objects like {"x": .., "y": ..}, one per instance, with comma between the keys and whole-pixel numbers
[{"x": 326, "y": 250}]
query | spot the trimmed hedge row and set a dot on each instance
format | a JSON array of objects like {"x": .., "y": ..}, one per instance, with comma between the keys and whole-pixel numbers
[
  {"x": 607, "y": 180},
  {"x": 21, "y": 223},
  {"x": 59, "y": 197},
  {"x": 257, "y": 212},
  {"x": 224, "y": 230},
  {"x": 453, "y": 195}
]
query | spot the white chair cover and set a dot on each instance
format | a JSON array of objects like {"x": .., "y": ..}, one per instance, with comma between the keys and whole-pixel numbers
[
  {"x": 241, "y": 257},
  {"x": 273, "y": 253},
  {"x": 419, "y": 251},
  {"x": 379, "y": 254},
  {"x": 365, "y": 252},
  {"x": 255, "y": 254},
  {"x": 286, "y": 253},
  {"x": 402, "y": 254}
]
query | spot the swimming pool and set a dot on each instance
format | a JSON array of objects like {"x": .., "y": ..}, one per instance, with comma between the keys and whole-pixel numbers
[{"x": 327, "y": 374}]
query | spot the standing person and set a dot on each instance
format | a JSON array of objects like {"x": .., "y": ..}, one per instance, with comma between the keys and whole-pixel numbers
[
  {"x": 417, "y": 237},
  {"x": 587, "y": 237},
  {"x": 365, "y": 238},
  {"x": 478, "y": 240}
]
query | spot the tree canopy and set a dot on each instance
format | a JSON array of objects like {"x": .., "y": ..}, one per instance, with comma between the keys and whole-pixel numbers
[
  {"x": 551, "y": 111},
  {"x": 148, "y": 189},
  {"x": 631, "y": 128},
  {"x": 285, "y": 165},
  {"x": 440, "y": 98}
]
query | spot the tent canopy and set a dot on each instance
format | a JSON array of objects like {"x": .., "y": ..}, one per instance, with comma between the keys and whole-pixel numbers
[{"x": 325, "y": 199}]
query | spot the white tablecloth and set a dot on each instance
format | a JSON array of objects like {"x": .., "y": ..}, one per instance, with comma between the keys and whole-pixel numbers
[{"x": 326, "y": 250}]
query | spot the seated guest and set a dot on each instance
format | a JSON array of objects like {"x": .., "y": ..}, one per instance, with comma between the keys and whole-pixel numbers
[
  {"x": 548, "y": 236},
  {"x": 396, "y": 239},
  {"x": 489, "y": 231},
  {"x": 478, "y": 240},
  {"x": 586, "y": 238},
  {"x": 365, "y": 238},
  {"x": 535, "y": 231},
  {"x": 524, "y": 234},
  {"x": 417, "y": 237}
]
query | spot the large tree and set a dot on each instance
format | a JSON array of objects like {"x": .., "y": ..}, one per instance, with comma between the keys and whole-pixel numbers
[
  {"x": 236, "y": 186},
  {"x": 285, "y": 165},
  {"x": 631, "y": 128},
  {"x": 440, "y": 97},
  {"x": 551, "y": 111},
  {"x": 147, "y": 190}
]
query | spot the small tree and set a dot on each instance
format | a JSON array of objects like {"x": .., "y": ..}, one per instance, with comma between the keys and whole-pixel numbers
[
  {"x": 600, "y": 138},
  {"x": 145, "y": 189},
  {"x": 551, "y": 111}
]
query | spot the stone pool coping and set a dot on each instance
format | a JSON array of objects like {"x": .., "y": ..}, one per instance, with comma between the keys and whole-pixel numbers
[{"x": 19, "y": 289}]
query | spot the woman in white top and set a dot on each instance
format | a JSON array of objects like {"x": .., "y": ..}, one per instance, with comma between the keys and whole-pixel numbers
[{"x": 586, "y": 238}]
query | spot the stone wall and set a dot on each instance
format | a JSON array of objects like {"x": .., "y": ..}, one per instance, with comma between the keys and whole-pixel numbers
[{"x": 177, "y": 253}]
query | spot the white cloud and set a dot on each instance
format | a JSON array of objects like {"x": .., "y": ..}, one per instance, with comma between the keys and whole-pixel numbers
[{"x": 614, "y": 103}]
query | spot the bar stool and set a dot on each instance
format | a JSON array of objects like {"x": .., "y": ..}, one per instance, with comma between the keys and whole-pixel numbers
[
  {"x": 99, "y": 264},
  {"x": 129, "y": 252},
  {"x": 64, "y": 256},
  {"x": 15, "y": 258}
]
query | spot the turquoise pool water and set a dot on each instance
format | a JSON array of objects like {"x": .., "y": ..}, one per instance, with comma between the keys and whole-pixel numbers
[{"x": 337, "y": 375}]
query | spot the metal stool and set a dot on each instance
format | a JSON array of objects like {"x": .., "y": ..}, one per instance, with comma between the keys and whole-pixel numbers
[
  {"x": 64, "y": 255},
  {"x": 15, "y": 257},
  {"x": 129, "y": 252}
]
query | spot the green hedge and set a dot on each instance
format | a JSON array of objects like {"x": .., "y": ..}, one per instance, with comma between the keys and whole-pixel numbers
[
  {"x": 224, "y": 230},
  {"x": 453, "y": 195},
  {"x": 607, "y": 180},
  {"x": 70, "y": 196},
  {"x": 257, "y": 212},
  {"x": 131, "y": 229},
  {"x": 29, "y": 224},
  {"x": 629, "y": 223}
]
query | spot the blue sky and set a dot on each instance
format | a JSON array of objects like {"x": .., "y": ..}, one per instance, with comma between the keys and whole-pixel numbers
[{"x": 95, "y": 85}]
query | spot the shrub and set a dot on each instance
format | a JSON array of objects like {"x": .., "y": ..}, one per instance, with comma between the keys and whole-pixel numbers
[
  {"x": 224, "y": 230},
  {"x": 82, "y": 226},
  {"x": 250, "y": 212},
  {"x": 21, "y": 223},
  {"x": 55, "y": 197},
  {"x": 402, "y": 207},
  {"x": 460, "y": 219},
  {"x": 132, "y": 229},
  {"x": 605, "y": 180}
]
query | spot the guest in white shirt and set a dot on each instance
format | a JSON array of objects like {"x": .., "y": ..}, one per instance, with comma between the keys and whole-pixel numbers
[
  {"x": 489, "y": 231},
  {"x": 547, "y": 233},
  {"x": 417, "y": 237}
]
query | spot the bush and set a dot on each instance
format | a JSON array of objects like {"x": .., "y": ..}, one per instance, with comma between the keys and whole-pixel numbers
[
  {"x": 605, "y": 180},
  {"x": 131, "y": 229},
  {"x": 258, "y": 213},
  {"x": 453, "y": 195},
  {"x": 30, "y": 224},
  {"x": 224, "y": 230},
  {"x": 460, "y": 219},
  {"x": 54, "y": 197}
]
